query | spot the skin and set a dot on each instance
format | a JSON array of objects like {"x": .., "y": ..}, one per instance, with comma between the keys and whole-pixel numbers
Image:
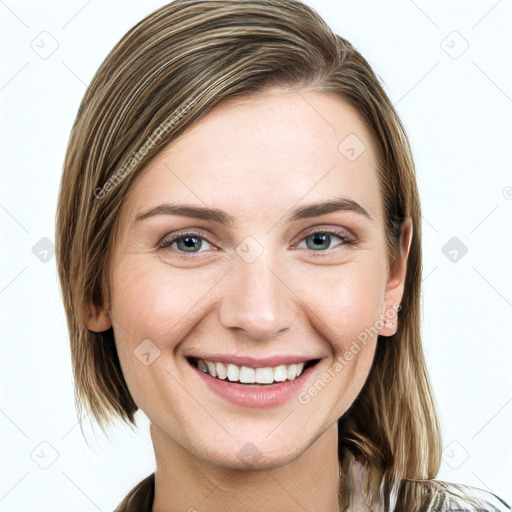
[{"x": 256, "y": 159}]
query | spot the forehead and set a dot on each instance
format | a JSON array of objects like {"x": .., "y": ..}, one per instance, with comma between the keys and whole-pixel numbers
[{"x": 264, "y": 154}]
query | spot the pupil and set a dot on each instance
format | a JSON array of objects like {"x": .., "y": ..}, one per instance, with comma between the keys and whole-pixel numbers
[
  {"x": 322, "y": 238},
  {"x": 192, "y": 242},
  {"x": 189, "y": 242}
]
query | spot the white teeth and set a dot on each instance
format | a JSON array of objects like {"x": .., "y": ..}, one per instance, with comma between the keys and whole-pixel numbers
[
  {"x": 221, "y": 371},
  {"x": 233, "y": 372},
  {"x": 291, "y": 372},
  {"x": 211, "y": 368},
  {"x": 248, "y": 375},
  {"x": 264, "y": 375},
  {"x": 280, "y": 373}
]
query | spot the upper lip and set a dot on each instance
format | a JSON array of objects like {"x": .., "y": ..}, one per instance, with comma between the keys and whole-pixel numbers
[{"x": 255, "y": 362}]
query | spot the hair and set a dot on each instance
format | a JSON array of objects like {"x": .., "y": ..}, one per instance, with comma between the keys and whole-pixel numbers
[{"x": 165, "y": 74}]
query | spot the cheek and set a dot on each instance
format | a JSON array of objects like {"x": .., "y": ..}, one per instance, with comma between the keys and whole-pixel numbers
[
  {"x": 152, "y": 301},
  {"x": 347, "y": 300}
]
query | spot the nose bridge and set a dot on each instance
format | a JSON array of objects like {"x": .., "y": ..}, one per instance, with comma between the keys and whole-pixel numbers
[{"x": 256, "y": 299}]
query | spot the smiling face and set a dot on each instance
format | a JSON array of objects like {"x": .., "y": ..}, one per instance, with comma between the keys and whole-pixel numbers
[{"x": 245, "y": 274}]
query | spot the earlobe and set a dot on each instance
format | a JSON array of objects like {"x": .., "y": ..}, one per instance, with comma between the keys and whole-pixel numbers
[{"x": 99, "y": 320}]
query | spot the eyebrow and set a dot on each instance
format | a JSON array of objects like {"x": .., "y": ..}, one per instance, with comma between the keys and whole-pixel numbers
[{"x": 222, "y": 217}]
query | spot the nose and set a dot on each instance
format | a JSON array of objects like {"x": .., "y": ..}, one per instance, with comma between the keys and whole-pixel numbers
[{"x": 258, "y": 301}]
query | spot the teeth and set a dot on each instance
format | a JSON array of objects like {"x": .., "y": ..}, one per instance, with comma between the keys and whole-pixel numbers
[
  {"x": 211, "y": 368},
  {"x": 280, "y": 373},
  {"x": 264, "y": 375},
  {"x": 248, "y": 375},
  {"x": 291, "y": 372},
  {"x": 233, "y": 372},
  {"x": 221, "y": 370}
]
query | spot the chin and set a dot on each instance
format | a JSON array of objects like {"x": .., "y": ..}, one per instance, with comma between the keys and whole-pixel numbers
[{"x": 258, "y": 454}]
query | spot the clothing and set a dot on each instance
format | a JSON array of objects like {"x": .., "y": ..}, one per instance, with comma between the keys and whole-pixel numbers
[{"x": 140, "y": 499}]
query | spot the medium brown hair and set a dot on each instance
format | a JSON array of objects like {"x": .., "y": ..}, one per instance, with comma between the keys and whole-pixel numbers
[{"x": 166, "y": 73}]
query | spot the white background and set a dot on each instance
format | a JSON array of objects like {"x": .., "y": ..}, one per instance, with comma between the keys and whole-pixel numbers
[{"x": 457, "y": 109}]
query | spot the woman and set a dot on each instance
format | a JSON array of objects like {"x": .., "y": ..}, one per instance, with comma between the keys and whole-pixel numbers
[{"x": 239, "y": 249}]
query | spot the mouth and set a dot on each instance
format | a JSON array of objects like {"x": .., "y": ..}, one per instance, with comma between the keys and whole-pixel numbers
[
  {"x": 253, "y": 386},
  {"x": 250, "y": 375}
]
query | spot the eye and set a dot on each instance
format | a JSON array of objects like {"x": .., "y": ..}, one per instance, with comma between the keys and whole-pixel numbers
[
  {"x": 321, "y": 241},
  {"x": 185, "y": 242}
]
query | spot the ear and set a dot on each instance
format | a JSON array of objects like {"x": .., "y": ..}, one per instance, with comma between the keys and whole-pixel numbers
[
  {"x": 98, "y": 319},
  {"x": 396, "y": 282}
]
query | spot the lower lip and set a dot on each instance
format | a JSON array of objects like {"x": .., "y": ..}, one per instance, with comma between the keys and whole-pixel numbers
[{"x": 261, "y": 397}]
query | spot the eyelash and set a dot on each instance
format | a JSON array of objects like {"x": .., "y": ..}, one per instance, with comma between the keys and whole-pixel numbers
[{"x": 342, "y": 234}]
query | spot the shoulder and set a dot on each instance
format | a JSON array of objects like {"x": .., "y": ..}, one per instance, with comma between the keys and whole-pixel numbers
[{"x": 140, "y": 498}]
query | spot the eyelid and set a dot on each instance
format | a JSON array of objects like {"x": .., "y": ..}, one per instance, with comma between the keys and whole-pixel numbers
[
  {"x": 170, "y": 238},
  {"x": 343, "y": 233}
]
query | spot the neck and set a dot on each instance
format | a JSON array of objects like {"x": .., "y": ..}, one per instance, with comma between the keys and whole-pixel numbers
[{"x": 184, "y": 482}]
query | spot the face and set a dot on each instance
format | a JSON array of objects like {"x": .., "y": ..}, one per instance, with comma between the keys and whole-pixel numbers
[{"x": 247, "y": 279}]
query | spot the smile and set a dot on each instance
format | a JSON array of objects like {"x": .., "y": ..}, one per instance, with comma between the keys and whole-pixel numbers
[
  {"x": 254, "y": 386},
  {"x": 251, "y": 375}
]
